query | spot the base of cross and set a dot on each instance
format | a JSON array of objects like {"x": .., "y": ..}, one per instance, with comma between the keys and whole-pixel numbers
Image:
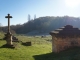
[
  {"x": 9, "y": 43},
  {"x": 14, "y": 39}
]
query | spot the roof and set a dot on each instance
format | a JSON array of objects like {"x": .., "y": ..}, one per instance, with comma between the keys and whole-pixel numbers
[{"x": 67, "y": 30}]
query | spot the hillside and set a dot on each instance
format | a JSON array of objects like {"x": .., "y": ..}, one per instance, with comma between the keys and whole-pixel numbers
[{"x": 44, "y": 24}]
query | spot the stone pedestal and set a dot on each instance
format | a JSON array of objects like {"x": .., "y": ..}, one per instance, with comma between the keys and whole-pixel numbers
[
  {"x": 9, "y": 38},
  {"x": 14, "y": 39}
]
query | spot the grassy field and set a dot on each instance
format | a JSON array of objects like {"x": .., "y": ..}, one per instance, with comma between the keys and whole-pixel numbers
[
  {"x": 40, "y": 50},
  {"x": 39, "y": 46}
]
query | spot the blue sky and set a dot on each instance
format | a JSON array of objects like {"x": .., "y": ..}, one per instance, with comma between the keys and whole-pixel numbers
[{"x": 19, "y": 9}]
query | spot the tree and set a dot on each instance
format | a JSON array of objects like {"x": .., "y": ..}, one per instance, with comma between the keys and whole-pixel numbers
[
  {"x": 29, "y": 17},
  {"x": 34, "y": 16},
  {"x": 0, "y": 27}
]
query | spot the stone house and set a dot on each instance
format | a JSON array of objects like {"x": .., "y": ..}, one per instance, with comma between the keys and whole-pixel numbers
[{"x": 64, "y": 38}]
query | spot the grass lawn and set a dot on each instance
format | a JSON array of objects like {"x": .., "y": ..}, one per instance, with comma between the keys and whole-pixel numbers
[
  {"x": 21, "y": 52},
  {"x": 40, "y": 50}
]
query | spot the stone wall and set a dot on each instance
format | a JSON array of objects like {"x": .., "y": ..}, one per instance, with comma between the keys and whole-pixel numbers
[{"x": 60, "y": 44}]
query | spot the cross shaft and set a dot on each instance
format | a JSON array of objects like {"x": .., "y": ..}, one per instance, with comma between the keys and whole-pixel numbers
[{"x": 8, "y": 22}]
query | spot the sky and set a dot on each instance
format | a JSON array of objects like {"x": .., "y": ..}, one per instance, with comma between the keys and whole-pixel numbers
[{"x": 19, "y": 9}]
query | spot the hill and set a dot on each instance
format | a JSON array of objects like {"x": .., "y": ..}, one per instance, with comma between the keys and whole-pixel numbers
[{"x": 44, "y": 24}]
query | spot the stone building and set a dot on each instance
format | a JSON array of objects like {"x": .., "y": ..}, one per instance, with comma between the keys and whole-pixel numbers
[{"x": 64, "y": 38}]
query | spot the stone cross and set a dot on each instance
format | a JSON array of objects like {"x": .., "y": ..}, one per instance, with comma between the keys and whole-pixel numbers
[
  {"x": 9, "y": 35},
  {"x": 8, "y": 22}
]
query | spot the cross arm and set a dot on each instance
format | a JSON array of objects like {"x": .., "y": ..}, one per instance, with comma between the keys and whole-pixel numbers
[{"x": 8, "y": 16}]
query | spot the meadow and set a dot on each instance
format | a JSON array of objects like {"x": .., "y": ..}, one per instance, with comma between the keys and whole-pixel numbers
[
  {"x": 41, "y": 49},
  {"x": 21, "y": 52}
]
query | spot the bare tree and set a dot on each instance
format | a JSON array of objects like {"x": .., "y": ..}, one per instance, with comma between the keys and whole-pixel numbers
[
  {"x": 29, "y": 17},
  {"x": 34, "y": 16}
]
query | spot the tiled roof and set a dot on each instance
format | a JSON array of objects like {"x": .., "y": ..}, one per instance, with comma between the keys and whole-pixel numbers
[{"x": 67, "y": 30}]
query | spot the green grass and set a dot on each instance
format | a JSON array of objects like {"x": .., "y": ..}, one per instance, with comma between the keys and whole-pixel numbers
[
  {"x": 41, "y": 49},
  {"x": 71, "y": 54},
  {"x": 21, "y": 52}
]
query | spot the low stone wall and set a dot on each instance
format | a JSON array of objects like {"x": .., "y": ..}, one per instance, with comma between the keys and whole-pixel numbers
[{"x": 60, "y": 44}]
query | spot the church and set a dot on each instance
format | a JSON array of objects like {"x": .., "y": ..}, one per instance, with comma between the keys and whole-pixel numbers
[{"x": 64, "y": 38}]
